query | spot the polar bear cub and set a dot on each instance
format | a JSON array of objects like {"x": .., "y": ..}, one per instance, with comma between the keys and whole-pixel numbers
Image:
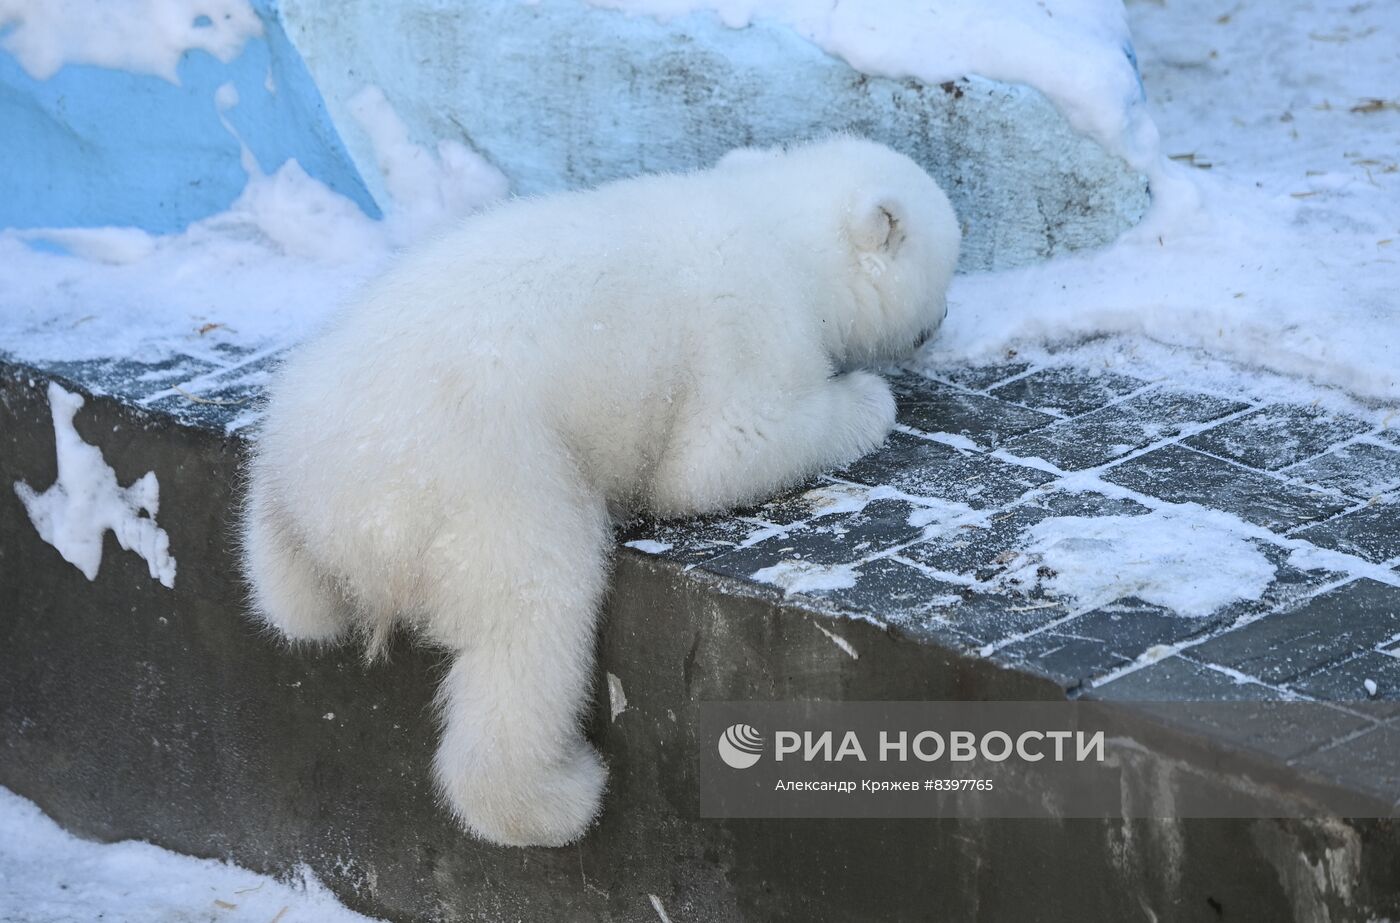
[{"x": 446, "y": 453}]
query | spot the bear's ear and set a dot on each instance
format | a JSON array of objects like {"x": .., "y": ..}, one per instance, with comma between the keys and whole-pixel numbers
[{"x": 878, "y": 224}]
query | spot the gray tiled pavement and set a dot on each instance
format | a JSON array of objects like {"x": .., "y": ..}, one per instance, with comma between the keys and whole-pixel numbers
[{"x": 989, "y": 452}]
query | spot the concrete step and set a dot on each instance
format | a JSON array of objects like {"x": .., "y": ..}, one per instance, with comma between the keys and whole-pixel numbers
[{"x": 129, "y": 709}]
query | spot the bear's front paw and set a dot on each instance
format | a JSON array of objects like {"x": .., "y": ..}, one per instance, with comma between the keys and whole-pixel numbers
[
  {"x": 530, "y": 805},
  {"x": 874, "y": 409}
]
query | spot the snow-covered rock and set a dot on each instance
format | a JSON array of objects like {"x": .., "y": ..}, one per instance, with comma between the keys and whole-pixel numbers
[{"x": 559, "y": 94}]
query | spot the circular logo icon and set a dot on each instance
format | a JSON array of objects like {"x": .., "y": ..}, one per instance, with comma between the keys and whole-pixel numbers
[{"x": 740, "y": 746}]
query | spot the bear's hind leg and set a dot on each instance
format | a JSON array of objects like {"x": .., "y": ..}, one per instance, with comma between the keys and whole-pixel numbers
[
  {"x": 289, "y": 592},
  {"x": 517, "y": 586}
]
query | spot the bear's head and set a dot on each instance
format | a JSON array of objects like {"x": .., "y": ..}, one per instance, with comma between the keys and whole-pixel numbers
[{"x": 885, "y": 231}]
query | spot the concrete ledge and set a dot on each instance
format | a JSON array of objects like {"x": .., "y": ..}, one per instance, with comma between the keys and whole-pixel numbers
[{"x": 132, "y": 710}]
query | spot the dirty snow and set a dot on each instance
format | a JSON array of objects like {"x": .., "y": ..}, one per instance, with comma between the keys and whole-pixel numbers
[
  {"x": 86, "y": 501},
  {"x": 141, "y": 36},
  {"x": 50, "y": 876},
  {"x": 1190, "y": 564}
]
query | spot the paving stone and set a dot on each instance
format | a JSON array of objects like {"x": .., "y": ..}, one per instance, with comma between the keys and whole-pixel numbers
[
  {"x": 220, "y": 397},
  {"x": 1290, "y": 585},
  {"x": 1112, "y": 432},
  {"x": 812, "y": 499},
  {"x": 985, "y": 551},
  {"x": 1327, "y": 628},
  {"x": 1097, "y": 642},
  {"x": 690, "y": 541},
  {"x": 1067, "y": 391},
  {"x": 1346, "y": 682},
  {"x": 1362, "y": 469},
  {"x": 1277, "y": 436},
  {"x": 895, "y": 591},
  {"x": 1372, "y": 532},
  {"x": 992, "y": 618},
  {"x": 934, "y": 407},
  {"x": 899, "y": 594},
  {"x": 129, "y": 378},
  {"x": 1177, "y": 679},
  {"x": 1368, "y": 762},
  {"x": 1068, "y": 660},
  {"x": 1181, "y": 475},
  {"x": 923, "y": 468},
  {"x": 1087, "y": 503},
  {"x": 982, "y": 377},
  {"x": 831, "y": 540}
]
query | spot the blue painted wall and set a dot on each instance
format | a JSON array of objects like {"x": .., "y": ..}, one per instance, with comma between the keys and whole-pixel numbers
[{"x": 92, "y": 147}]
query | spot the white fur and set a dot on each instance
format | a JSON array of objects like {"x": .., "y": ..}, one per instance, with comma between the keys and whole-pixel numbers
[{"x": 446, "y": 454}]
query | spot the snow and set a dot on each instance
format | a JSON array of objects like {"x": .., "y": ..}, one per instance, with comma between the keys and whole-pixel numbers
[
  {"x": 86, "y": 501},
  {"x": 50, "y": 876},
  {"x": 846, "y": 647},
  {"x": 427, "y": 191},
  {"x": 1186, "y": 563},
  {"x": 1283, "y": 254},
  {"x": 1073, "y": 51},
  {"x": 1279, "y": 256},
  {"x": 260, "y": 275},
  {"x": 141, "y": 36}
]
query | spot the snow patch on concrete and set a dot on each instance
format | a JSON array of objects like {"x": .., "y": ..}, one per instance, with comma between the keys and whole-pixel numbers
[
  {"x": 86, "y": 501},
  {"x": 649, "y": 546},
  {"x": 806, "y": 577},
  {"x": 840, "y": 642},
  {"x": 1187, "y": 564}
]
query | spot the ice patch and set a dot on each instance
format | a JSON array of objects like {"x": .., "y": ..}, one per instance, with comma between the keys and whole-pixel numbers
[
  {"x": 807, "y": 577},
  {"x": 1188, "y": 564},
  {"x": 141, "y": 36},
  {"x": 86, "y": 501}
]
